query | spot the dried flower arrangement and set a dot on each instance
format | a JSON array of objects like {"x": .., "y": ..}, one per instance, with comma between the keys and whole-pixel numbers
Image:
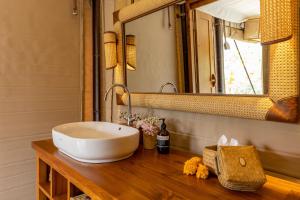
[{"x": 148, "y": 126}]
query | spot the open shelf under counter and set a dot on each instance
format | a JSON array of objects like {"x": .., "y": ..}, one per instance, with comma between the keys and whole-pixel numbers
[
  {"x": 42, "y": 196},
  {"x": 61, "y": 197},
  {"x": 45, "y": 189},
  {"x": 147, "y": 175},
  {"x": 43, "y": 179},
  {"x": 59, "y": 186}
]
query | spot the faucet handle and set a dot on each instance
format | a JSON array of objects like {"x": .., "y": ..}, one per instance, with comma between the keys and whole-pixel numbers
[{"x": 131, "y": 118}]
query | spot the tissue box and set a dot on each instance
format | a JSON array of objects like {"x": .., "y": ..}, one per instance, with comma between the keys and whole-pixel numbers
[{"x": 239, "y": 168}]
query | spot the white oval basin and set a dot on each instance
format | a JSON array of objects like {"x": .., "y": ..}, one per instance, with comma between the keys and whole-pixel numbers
[{"x": 96, "y": 142}]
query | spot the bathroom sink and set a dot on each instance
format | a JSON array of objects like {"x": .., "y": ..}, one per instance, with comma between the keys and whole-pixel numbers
[{"x": 96, "y": 142}]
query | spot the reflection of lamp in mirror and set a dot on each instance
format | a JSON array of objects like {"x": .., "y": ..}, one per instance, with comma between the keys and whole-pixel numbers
[
  {"x": 251, "y": 30},
  {"x": 110, "y": 49},
  {"x": 226, "y": 44},
  {"x": 130, "y": 52}
]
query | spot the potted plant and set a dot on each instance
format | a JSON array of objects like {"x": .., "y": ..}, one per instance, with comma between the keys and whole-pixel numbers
[{"x": 150, "y": 129}]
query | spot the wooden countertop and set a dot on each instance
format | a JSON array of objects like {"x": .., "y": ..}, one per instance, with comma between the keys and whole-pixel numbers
[{"x": 149, "y": 175}]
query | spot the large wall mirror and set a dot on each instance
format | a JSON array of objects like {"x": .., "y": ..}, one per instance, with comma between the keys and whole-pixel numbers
[
  {"x": 209, "y": 53},
  {"x": 227, "y": 57}
]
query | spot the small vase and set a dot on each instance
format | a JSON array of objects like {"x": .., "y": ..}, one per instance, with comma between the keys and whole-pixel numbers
[{"x": 149, "y": 141}]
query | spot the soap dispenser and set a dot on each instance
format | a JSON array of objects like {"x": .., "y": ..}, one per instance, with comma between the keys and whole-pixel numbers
[{"x": 163, "y": 139}]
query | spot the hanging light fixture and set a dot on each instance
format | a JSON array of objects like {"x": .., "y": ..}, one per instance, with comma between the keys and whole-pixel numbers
[
  {"x": 226, "y": 44},
  {"x": 130, "y": 52},
  {"x": 110, "y": 49}
]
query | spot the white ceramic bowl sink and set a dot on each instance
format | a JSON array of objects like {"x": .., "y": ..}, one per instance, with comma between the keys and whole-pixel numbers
[{"x": 96, "y": 142}]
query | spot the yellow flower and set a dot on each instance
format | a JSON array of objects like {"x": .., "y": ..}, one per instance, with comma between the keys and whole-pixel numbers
[
  {"x": 190, "y": 166},
  {"x": 202, "y": 172},
  {"x": 195, "y": 160}
]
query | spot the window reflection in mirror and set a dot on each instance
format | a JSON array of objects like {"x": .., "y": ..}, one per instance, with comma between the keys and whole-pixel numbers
[
  {"x": 227, "y": 54},
  {"x": 242, "y": 78}
]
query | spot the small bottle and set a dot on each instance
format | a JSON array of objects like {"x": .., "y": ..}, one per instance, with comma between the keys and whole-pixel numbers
[{"x": 163, "y": 139}]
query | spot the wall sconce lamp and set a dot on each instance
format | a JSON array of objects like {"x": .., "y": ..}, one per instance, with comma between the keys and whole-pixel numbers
[
  {"x": 276, "y": 21},
  {"x": 130, "y": 52},
  {"x": 110, "y": 49}
]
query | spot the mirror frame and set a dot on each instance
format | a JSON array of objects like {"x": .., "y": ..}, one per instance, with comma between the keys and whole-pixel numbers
[{"x": 281, "y": 103}]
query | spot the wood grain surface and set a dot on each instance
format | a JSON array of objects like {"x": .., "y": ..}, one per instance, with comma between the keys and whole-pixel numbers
[{"x": 149, "y": 175}]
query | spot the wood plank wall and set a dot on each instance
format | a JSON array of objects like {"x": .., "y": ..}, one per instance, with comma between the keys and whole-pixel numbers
[{"x": 39, "y": 84}]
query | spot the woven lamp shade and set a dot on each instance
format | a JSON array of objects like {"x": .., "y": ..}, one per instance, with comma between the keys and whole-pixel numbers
[
  {"x": 276, "y": 21},
  {"x": 130, "y": 52},
  {"x": 110, "y": 49}
]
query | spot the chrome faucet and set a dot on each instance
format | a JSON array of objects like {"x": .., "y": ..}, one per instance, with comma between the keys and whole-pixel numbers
[
  {"x": 129, "y": 117},
  {"x": 168, "y": 83}
]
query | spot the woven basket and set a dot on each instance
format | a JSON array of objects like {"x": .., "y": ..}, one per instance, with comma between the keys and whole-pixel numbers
[
  {"x": 209, "y": 158},
  {"x": 239, "y": 168}
]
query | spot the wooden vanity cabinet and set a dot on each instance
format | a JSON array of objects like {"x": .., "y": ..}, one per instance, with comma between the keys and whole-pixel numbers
[
  {"x": 145, "y": 175},
  {"x": 51, "y": 184}
]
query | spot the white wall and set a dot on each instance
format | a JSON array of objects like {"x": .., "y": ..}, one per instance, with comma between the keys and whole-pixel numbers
[{"x": 39, "y": 84}]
